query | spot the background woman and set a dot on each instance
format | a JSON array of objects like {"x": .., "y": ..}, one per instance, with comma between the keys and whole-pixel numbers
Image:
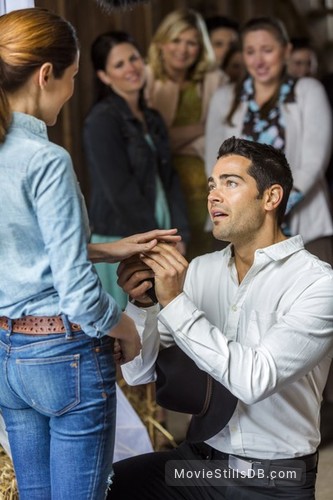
[
  {"x": 294, "y": 116},
  {"x": 133, "y": 185},
  {"x": 57, "y": 325},
  {"x": 181, "y": 80}
]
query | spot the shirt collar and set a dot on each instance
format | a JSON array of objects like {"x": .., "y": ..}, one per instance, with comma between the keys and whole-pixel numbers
[
  {"x": 283, "y": 249},
  {"x": 278, "y": 251},
  {"x": 29, "y": 122}
]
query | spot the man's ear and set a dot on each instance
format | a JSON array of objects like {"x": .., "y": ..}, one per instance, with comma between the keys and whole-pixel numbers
[
  {"x": 273, "y": 197},
  {"x": 44, "y": 74},
  {"x": 104, "y": 77}
]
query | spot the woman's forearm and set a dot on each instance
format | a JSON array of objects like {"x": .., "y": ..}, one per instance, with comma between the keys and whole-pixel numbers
[
  {"x": 182, "y": 136},
  {"x": 116, "y": 251}
]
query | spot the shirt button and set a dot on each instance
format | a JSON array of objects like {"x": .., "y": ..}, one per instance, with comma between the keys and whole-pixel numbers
[{"x": 234, "y": 307}]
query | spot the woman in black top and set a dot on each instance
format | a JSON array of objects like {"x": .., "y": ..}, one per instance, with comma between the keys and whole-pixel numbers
[{"x": 133, "y": 185}]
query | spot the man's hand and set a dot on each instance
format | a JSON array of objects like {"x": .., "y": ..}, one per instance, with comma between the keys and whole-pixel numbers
[
  {"x": 128, "y": 344},
  {"x": 126, "y": 247},
  {"x": 169, "y": 268},
  {"x": 135, "y": 279}
]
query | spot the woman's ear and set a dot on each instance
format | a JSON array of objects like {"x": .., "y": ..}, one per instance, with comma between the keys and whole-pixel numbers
[
  {"x": 104, "y": 77},
  {"x": 44, "y": 74}
]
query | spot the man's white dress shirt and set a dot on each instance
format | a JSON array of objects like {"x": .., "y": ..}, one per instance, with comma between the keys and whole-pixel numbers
[{"x": 269, "y": 340}]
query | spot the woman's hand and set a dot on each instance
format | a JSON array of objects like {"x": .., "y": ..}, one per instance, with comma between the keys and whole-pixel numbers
[
  {"x": 126, "y": 247},
  {"x": 128, "y": 343}
]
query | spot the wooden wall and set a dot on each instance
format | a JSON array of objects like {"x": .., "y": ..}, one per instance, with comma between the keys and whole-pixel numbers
[{"x": 141, "y": 21}]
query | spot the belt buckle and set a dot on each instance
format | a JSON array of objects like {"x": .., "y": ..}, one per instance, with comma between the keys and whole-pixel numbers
[{"x": 243, "y": 467}]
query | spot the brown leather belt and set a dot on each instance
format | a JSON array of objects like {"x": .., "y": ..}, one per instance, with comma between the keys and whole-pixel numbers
[{"x": 38, "y": 325}]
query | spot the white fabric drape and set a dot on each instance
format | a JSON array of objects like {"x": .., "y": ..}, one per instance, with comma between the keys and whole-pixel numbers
[{"x": 8, "y": 5}]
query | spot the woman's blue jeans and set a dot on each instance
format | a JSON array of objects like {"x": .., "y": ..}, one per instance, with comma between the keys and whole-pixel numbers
[{"x": 58, "y": 398}]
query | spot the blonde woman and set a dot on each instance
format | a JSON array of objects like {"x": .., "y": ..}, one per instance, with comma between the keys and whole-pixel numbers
[{"x": 181, "y": 78}]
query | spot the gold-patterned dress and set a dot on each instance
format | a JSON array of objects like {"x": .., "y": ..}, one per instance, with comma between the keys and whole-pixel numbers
[{"x": 191, "y": 171}]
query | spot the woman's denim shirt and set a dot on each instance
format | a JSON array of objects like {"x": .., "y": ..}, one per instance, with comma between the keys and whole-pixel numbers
[{"x": 44, "y": 265}]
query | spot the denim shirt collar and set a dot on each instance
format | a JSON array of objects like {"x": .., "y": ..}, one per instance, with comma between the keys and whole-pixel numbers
[{"x": 29, "y": 122}]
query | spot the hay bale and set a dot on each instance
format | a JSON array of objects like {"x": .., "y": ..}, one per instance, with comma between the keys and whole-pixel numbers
[{"x": 8, "y": 487}]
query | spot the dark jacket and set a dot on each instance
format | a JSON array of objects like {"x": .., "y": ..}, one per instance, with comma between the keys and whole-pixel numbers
[{"x": 123, "y": 170}]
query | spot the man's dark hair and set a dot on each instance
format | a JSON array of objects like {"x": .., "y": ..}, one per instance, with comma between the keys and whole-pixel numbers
[
  {"x": 109, "y": 5},
  {"x": 215, "y": 22},
  {"x": 301, "y": 43},
  {"x": 268, "y": 166}
]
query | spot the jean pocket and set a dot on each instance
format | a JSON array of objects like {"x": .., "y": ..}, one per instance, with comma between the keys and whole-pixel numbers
[{"x": 50, "y": 385}]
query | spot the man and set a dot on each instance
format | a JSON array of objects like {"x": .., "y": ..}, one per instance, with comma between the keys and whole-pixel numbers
[
  {"x": 223, "y": 33},
  {"x": 303, "y": 59},
  {"x": 257, "y": 316}
]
